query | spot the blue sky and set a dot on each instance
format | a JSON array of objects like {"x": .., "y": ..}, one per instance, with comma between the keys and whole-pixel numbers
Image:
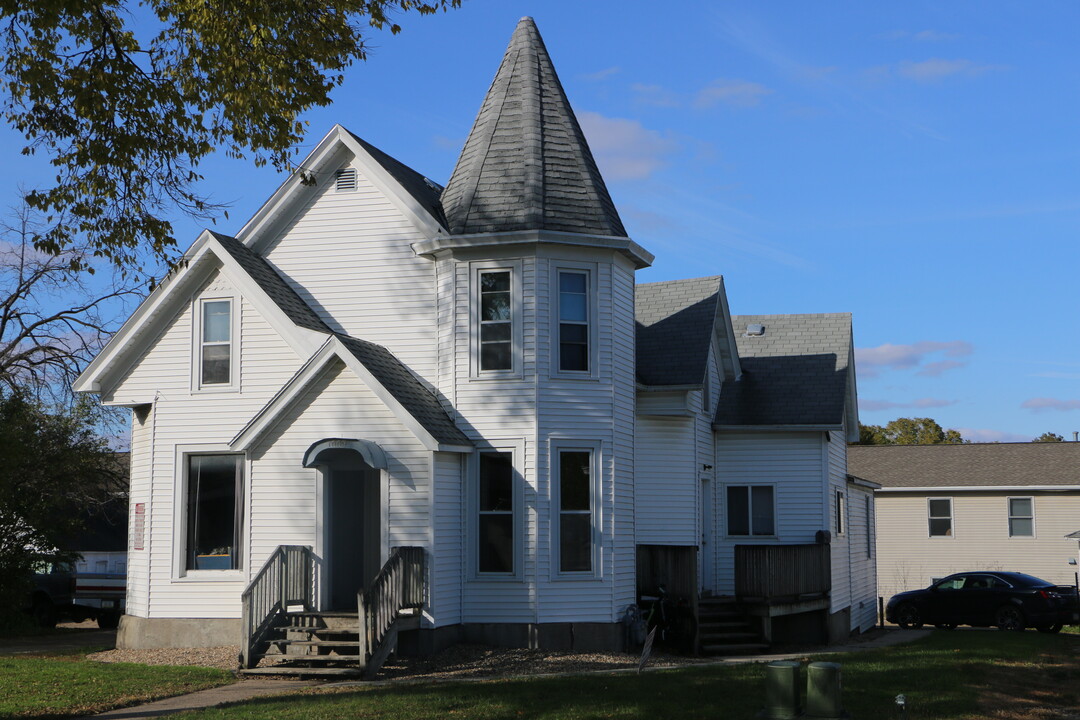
[{"x": 915, "y": 164}]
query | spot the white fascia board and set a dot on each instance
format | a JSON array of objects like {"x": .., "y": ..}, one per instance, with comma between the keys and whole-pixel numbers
[
  {"x": 261, "y": 225},
  {"x": 268, "y": 416},
  {"x": 404, "y": 416},
  {"x": 861, "y": 482},
  {"x": 932, "y": 489},
  {"x": 729, "y": 334},
  {"x": 145, "y": 315},
  {"x": 641, "y": 257},
  {"x": 379, "y": 177}
]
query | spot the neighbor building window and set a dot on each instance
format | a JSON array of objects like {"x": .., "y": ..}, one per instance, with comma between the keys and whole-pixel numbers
[
  {"x": 750, "y": 510},
  {"x": 215, "y": 342},
  {"x": 1021, "y": 517},
  {"x": 495, "y": 513},
  {"x": 939, "y": 512},
  {"x": 496, "y": 320},
  {"x": 215, "y": 491},
  {"x": 575, "y": 502},
  {"x": 573, "y": 320}
]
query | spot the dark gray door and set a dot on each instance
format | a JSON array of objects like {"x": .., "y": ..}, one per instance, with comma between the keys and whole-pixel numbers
[{"x": 345, "y": 502}]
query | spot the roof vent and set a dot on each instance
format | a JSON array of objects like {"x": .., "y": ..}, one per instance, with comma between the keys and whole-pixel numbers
[
  {"x": 755, "y": 330},
  {"x": 345, "y": 180}
]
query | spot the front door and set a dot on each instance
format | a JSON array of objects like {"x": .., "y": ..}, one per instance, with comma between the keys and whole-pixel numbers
[{"x": 352, "y": 533}]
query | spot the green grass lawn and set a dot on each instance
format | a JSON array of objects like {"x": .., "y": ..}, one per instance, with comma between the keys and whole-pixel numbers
[
  {"x": 949, "y": 675},
  {"x": 69, "y": 686}
]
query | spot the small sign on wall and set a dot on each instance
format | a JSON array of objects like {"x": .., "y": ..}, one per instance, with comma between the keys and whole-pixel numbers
[{"x": 138, "y": 528}]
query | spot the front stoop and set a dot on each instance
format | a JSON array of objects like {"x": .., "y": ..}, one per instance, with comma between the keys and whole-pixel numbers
[{"x": 724, "y": 629}]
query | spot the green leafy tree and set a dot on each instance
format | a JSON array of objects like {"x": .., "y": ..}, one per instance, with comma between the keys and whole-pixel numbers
[
  {"x": 126, "y": 99},
  {"x": 909, "y": 431},
  {"x": 1049, "y": 437},
  {"x": 55, "y": 470}
]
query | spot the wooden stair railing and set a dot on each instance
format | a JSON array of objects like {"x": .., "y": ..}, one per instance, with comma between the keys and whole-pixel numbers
[
  {"x": 398, "y": 586},
  {"x": 285, "y": 580}
]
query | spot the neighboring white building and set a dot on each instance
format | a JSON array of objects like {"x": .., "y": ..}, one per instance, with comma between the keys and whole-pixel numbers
[
  {"x": 953, "y": 508},
  {"x": 377, "y": 362}
]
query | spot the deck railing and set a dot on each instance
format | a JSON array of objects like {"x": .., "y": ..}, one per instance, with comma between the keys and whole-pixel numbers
[
  {"x": 285, "y": 580},
  {"x": 782, "y": 572},
  {"x": 398, "y": 586}
]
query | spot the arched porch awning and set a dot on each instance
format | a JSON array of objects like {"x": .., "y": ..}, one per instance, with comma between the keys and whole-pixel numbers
[{"x": 373, "y": 454}]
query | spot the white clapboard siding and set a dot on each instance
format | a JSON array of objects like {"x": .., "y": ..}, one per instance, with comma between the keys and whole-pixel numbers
[
  {"x": 665, "y": 477},
  {"x": 182, "y": 418},
  {"x": 860, "y": 554},
  {"x": 842, "y": 579},
  {"x": 624, "y": 541},
  {"x": 794, "y": 464},
  {"x": 706, "y": 455},
  {"x": 908, "y": 558},
  {"x": 349, "y": 256},
  {"x": 138, "y": 566},
  {"x": 447, "y": 566}
]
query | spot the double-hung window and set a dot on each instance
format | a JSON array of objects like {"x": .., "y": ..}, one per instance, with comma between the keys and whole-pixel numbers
[
  {"x": 495, "y": 532},
  {"x": 575, "y": 500},
  {"x": 1021, "y": 517},
  {"x": 574, "y": 313},
  {"x": 215, "y": 510},
  {"x": 215, "y": 351},
  {"x": 750, "y": 510},
  {"x": 496, "y": 320},
  {"x": 939, "y": 516}
]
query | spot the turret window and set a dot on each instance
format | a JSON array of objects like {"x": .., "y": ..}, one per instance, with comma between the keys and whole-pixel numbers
[{"x": 496, "y": 321}]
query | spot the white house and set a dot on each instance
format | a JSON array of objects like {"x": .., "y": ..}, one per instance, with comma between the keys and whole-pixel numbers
[{"x": 457, "y": 401}]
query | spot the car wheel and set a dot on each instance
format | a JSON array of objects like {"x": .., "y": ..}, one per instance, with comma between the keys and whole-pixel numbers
[
  {"x": 1009, "y": 617},
  {"x": 1056, "y": 628},
  {"x": 909, "y": 617},
  {"x": 108, "y": 620},
  {"x": 946, "y": 626}
]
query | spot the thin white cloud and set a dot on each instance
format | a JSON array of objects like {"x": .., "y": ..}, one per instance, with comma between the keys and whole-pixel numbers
[
  {"x": 872, "y": 361},
  {"x": 602, "y": 74},
  {"x": 1044, "y": 404},
  {"x": 737, "y": 93},
  {"x": 921, "y": 404},
  {"x": 939, "y": 68},
  {"x": 981, "y": 435},
  {"x": 624, "y": 149}
]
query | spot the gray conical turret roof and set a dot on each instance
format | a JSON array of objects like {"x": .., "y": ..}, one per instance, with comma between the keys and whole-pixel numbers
[{"x": 526, "y": 165}]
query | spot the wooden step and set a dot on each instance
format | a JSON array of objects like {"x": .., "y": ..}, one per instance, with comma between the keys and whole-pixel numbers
[
  {"x": 734, "y": 649},
  {"x": 727, "y": 637}
]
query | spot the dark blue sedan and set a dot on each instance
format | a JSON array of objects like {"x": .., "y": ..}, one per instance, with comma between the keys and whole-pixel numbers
[{"x": 1008, "y": 600}]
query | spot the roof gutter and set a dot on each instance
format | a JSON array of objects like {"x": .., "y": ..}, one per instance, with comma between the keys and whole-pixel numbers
[{"x": 980, "y": 488}]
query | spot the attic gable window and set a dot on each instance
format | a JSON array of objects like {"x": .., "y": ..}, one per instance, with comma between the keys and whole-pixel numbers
[
  {"x": 345, "y": 180},
  {"x": 216, "y": 348}
]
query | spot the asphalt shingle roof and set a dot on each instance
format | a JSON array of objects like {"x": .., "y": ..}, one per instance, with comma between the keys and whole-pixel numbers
[
  {"x": 674, "y": 328},
  {"x": 426, "y": 191},
  {"x": 984, "y": 464},
  {"x": 272, "y": 284},
  {"x": 525, "y": 164},
  {"x": 408, "y": 390},
  {"x": 794, "y": 374}
]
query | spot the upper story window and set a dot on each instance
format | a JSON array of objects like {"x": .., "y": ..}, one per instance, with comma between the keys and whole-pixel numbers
[
  {"x": 750, "y": 510},
  {"x": 496, "y": 320},
  {"x": 839, "y": 501},
  {"x": 574, "y": 321},
  {"x": 215, "y": 354},
  {"x": 1021, "y": 517},
  {"x": 939, "y": 516}
]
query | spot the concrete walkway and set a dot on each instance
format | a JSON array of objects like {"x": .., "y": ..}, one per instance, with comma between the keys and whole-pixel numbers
[{"x": 237, "y": 692}]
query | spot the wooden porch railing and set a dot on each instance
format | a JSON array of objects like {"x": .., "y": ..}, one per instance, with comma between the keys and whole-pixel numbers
[
  {"x": 398, "y": 586},
  {"x": 285, "y": 580},
  {"x": 782, "y": 572}
]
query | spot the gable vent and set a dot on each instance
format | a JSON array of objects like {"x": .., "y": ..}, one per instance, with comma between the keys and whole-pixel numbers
[{"x": 345, "y": 181}]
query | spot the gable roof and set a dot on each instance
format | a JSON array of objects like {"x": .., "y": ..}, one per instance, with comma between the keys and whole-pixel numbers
[
  {"x": 424, "y": 190},
  {"x": 675, "y": 324},
  {"x": 525, "y": 164},
  {"x": 798, "y": 373},
  {"x": 275, "y": 287},
  {"x": 974, "y": 465},
  {"x": 404, "y": 395}
]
